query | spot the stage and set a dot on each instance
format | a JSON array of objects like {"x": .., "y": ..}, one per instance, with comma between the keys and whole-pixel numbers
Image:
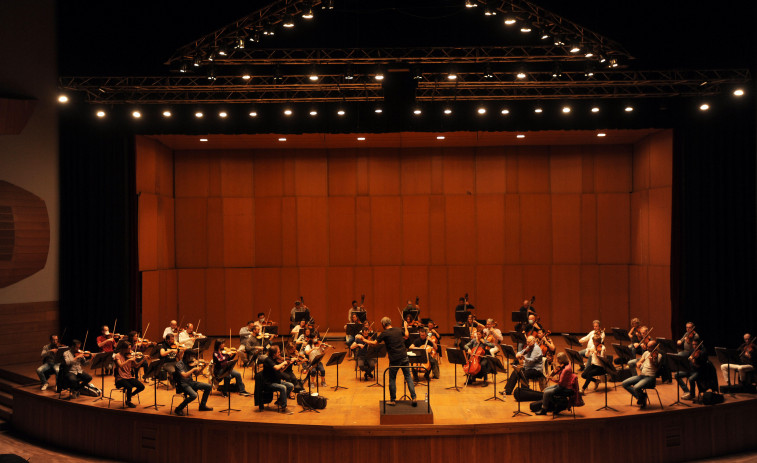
[{"x": 465, "y": 425}]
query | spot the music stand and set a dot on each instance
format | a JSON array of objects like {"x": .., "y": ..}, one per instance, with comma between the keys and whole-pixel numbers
[
  {"x": 418, "y": 356},
  {"x": 518, "y": 337},
  {"x": 413, "y": 314},
  {"x": 620, "y": 334},
  {"x": 678, "y": 363},
  {"x": 462, "y": 316},
  {"x": 270, "y": 329},
  {"x": 226, "y": 372},
  {"x": 624, "y": 353},
  {"x": 571, "y": 340},
  {"x": 412, "y": 337},
  {"x": 518, "y": 411},
  {"x": 519, "y": 317},
  {"x": 301, "y": 315},
  {"x": 306, "y": 407},
  {"x": 335, "y": 359},
  {"x": 575, "y": 357},
  {"x": 509, "y": 354},
  {"x": 609, "y": 371},
  {"x": 362, "y": 315},
  {"x": 203, "y": 344},
  {"x": 100, "y": 360},
  {"x": 353, "y": 329},
  {"x": 497, "y": 364},
  {"x": 728, "y": 357},
  {"x": 667, "y": 346},
  {"x": 375, "y": 352},
  {"x": 455, "y": 357},
  {"x": 151, "y": 372}
]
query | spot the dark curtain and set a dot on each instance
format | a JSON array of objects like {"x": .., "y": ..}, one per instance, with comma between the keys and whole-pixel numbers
[
  {"x": 713, "y": 251},
  {"x": 98, "y": 230}
]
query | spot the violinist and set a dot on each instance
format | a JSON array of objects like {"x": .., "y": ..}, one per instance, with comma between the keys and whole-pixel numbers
[
  {"x": 359, "y": 347},
  {"x": 597, "y": 330},
  {"x": 107, "y": 340},
  {"x": 548, "y": 347},
  {"x": 272, "y": 378},
  {"x": 287, "y": 375},
  {"x": 394, "y": 339},
  {"x": 246, "y": 331},
  {"x": 182, "y": 377},
  {"x": 126, "y": 363},
  {"x": 354, "y": 319},
  {"x": 486, "y": 368},
  {"x": 138, "y": 347},
  {"x": 173, "y": 328},
  {"x": 49, "y": 367},
  {"x": 595, "y": 367},
  {"x": 698, "y": 360},
  {"x": 221, "y": 364},
  {"x": 302, "y": 340},
  {"x": 315, "y": 345},
  {"x": 252, "y": 346},
  {"x": 746, "y": 356},
  {"x": 565, "y": 381},
  {"x": 168, "y": 351},
  {"x": 299, "y": 329},
  {"x": 75, "y": 360},
  {"x": 533, "y": 367},
  {"x": 648, "y": 365},
  {"x": 426, "y": 342},
  {"x": 686, "y": 342},
  {"x": 413, "y": 325},
  {"x": 262, "y": 321},
  {"x": 634, "y": 334},
  {"x": 188, "y": 336},
  {"x": 639, "y": 346}
]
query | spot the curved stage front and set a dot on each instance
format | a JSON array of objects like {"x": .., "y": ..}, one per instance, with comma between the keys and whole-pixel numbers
[{"x": 466, "y": 427}]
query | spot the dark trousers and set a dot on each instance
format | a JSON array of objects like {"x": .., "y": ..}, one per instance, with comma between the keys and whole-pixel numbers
[
  {"x": 190, "y": 388},
  {"x": 590, "y": 372},
  {"x": 131, "y": 387},
  {"x": 523, "y": 375},
  {"x": 76, "y": 382}
]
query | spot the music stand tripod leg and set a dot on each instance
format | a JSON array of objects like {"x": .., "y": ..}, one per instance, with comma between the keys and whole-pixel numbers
[
  {"x": 494, "y": 389},
  {"x": 606, "y": 407},
  {"x": 455, "y": 386}
]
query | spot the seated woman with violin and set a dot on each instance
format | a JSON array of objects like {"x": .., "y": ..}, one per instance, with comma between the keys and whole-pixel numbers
[
  {"x": 595, "y": 367},
  {"x": 127, "y": 362},
  {"x": 221, "y": 364},
  {"x": 138, "y": 347},
  {"x": 478, "y": 365},
  {"x": 426, "y": 342},
  {"x": 566, "y": 381},
  {"x": 75, "y": 360}
]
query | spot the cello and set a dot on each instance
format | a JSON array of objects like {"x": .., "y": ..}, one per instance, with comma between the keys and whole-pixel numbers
[{"x": 473, "y": 366}]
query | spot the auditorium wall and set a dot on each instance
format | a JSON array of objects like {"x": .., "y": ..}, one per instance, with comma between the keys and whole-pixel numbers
[{"x": 586, "y": 229}]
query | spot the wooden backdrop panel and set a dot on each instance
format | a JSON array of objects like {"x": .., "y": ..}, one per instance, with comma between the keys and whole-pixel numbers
[
  {"x": 238, "y": 232},
  {"x": 416, "y": 248},
  {"x": 342, "y": 230},
  {"x": 236, "y": 174},
  {"x": 490, "y": 229}
]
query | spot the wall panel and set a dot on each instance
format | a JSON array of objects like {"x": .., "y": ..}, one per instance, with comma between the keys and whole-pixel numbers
[
  {"x": 386, "y": 230},
  {"x": 238, "y": 232},
  {"x": 312, "y": 231},
  {"x": 342, "y": 230},
  {"x": 490, "y": 229},
  {"x": 416, "y": 248}
]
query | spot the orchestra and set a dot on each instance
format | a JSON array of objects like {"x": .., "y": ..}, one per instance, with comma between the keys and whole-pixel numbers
[{"x": 303, "y": 348}]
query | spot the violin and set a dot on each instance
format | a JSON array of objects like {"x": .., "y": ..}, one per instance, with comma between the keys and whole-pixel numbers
[
  {"x": 697, "y": 352},
  {"x": 83, "y": 353},
  {"x": 748, "y": 348},
  {"x": 230, "y": 351},
  {"x": 138, "y": 356}
]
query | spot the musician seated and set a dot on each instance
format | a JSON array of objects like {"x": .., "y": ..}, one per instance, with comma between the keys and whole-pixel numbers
[
  {"x": 173, "y": 327},
  {"x": 188, "y": 336},
  {"x": 182, "y": 377},
  {"x": 409, "y": 308},
  {"x": 349, "y": 339},
  {"x": 493, "y": 335},
  {"x": 106, "y": 341},
  {"x": 262, "y": 321},
  {"x": 354, "y": 308},
  {"x": 589, "y": 340},
  {"x": 746, "y": 357},
  {"x": 221, "y": 365},
  {"x": 426, "y": 342},
  {"x": 698, "y": 360},
  {"x": 138, "y": 345},
  {"x": 126, "y": 364},
  {"x": 246, "y": 331},
  {"x": 533, "y": 367},
  {"x": 686, "y": 342},
  {"x": 359, "y": 347},
  {"x": 313, "y": 345},
  {"x": 272, "y": 380},
  {"x": 486, "y": 367},
  {"x": 48, "y": 367},
  {"x": 298, "y": 329},
  {"x": 648, "y": 363},
  {"x": 567, "y": 383},
  {"x": 167, "y": 351},
  {"x": 252, "y": 346},
  {"x": 595, "y": 367},
  {"x": 434, "y": 334},
  {"x": 639, "y": 346},
  {"x": 76, "y": 360}
]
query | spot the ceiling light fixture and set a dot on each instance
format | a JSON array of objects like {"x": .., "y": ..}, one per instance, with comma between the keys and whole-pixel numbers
[
  {"x": 289, "y": 22},
  {"x": 447, "y": 111},
  {"x": 100, "y": 113},
  {"x": 136, "y": 114},
  {"x": 223, "y": 114},
  {"x": 505, "y": 112},
  {"x": 520, "y": 135},
  {"x": 314, "y": 113},
  {"x": 287, "y": 112},
  {"x": 629, "y": 109},
  {"x": 704, "y": 107},
  {"x": 738, "y": 92},
  {"x": 601, "y": 134},
  {"x": 62, "y": 99},
  {"x": 253, "y": 114},
  {"x": 341, "y": 112},
  {"x": 595, "y": 109},
  {"x": 440, "y": 137},
  {"x": 282, "y": 139},
  {"x": 203, "y": 139},
  {"x": 481, "y": 111},
  {"x": 199, "y": 114},
  {"x": 470, "y": 4}
]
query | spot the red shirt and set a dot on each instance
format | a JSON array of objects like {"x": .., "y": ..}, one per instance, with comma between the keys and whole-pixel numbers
[{"x": 106, "y": 347}]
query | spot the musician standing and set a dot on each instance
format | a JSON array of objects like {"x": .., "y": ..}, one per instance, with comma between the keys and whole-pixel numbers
[
  {"x": 746, "y": 356},
  {"x": 182, "y": 377},
  {"x": 125, "y": 366},
  {"x": 394, "y": 339},
  {"x": 647, "y": 377},
  {"x": 48, "y": 367},
  {"x": 354, "y": 308}
]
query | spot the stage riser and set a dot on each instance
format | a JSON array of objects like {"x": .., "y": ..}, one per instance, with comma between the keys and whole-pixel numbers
[{"x": 673, "y": 435}]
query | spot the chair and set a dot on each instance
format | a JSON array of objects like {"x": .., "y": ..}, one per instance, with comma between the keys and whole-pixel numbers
[
  {"x": 262, "y": 395},
  {"x": 183, "y": 396},
  {"x": 643, "y": 390},
  {"x": 563, "y": 401},
  {"x": 123, "y": 396}
]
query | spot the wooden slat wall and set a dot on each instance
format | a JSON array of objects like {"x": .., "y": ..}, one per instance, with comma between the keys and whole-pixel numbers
[
  {"x": 24, "y": 329},
  {"x": 500, "y": 223}
]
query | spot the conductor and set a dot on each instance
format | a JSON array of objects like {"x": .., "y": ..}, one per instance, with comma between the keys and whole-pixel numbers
[{"x": 394, "y": 338}]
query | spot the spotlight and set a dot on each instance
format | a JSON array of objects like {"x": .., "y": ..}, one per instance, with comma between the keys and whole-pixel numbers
[
  {"x": 211, "y": 73},
  {"x": 601, "y": 134},
  {"x": 184, "y": 68},
  {"x": 240, "y": 42},
  {"x": 327, "y": 5},
  {"x": 520, "y": 135},
  {"x": 470, "y": 4},
  {"x": 505, "y": 112},
  {"x": 100, "y": 113},
  {"x": 440, "y": 137},
  {"x": 488, "y": 11},
  {"x": 566, "y": 109},
  {"x": 417, "y": 74},
  {"x": 196, "y": 61},
  {"x": 360, "y": 138},
  {"x": 253, "y": 114},
  {"x": 575, "y": 48},
  {"x": 378, "y": 110},
  {"x": 287, "y": 112},
  {"x": 246, "y": 76},
  {"x": 167, "y": 113},
  {"x": 488, "y": 72},
  {"x": 417, "y": 111},
  {"x": 556, "y": 71},
  {"x": 510, "y": 17},
  {"x": 314, "y": 113},
  {"x": 255, "y": 37},
  {"x": 704, "y": 107},
  {"x": 588, "y": 54},
  {"x": 348, "y": 74},
  {"x": 203, "y": 139},
  {"x": 538, "y": 110},
  {"x": 629, "y": 109},
  {"x": 595, "y": 109},
  {"x": 136, "y": 114},
  {"x": 589, "y": 72},
  {"x": 447, "y": 111},
  {"x": 289, "y": 22},
  {"x": 452, "y": 76},
  {"x": 481, "y": 111},
  {"x": 544, "y": 36},
  {"x": 738, "y": 92},
  {"x": 62, "y": 99},
  {"x": 559, "y": 42},
  {"x": 525, "y": 29},
  {"x": 282, "y": 139},
  {"x": 267, "y": 29},
  {"x": 341, "y": 112},
  {"x": 521, "y": 75},
  {"x": 199, "y": 114},
  {"x": 222, "y": 51},
  {"x": 313, "y": 76},
  {"x": 613, "y": 63},
  {"x": 379, "y": 76},
  {"x": 277, "y": 76},
  {"x": 223, "y": 114},
  {"x": 307, "y": 13}
]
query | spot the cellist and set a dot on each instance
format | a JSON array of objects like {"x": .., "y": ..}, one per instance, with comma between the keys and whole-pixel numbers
[{"x": 477, "y": 349}]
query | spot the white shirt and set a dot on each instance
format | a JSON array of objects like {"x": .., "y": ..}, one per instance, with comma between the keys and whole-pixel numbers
[
  {"x": 187, "y": 340},
  {"x": 166, "y": 332},
  {"x": 591, "y": 351},
  {"x": 589, "y": 338},
  {"x": 496, "y": 332}
]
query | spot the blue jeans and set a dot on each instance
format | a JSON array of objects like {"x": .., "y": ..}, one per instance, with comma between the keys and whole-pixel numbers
[
  {"x": 190, "y": 388},
  {"x": 237, "y": 377},
  {"x": 405, "y": 364},
  {"x": 350, "y": 339},
  {"x": 692, "y": 381},
  {"x": 636, "y": 383},
  {"x": 284, "y": 389},
  {"x": 46, "y": 370}
]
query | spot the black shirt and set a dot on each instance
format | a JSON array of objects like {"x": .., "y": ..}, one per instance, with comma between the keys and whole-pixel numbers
[
  {"x": 270, "y": 375},
  {"x": 463, "y": 307},
  {"x": 394, "y": 338},
  {"x": 180, "y": 368}
]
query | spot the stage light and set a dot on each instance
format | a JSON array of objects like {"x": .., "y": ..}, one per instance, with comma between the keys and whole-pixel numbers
[
  {"x": 575, "y": 48},
  {"x": 313, "y": 76},
  {"x": 196, "y": 61},
  {"x": 246, "y": 76},
  {"x": 440, "y": 137},
  {"x": 738, "y": 92},
  {"x": 544, "y": 36},
  {"x": 521, "y": 75},
  {"x": 199, "y": 114},
  {"x": 417, "y": 74},
  {"x": 307, "y": 13},
  {"x": 379, "y": 76},
  {"x": 360, "y": 138},
  {"x": 470, "y": 4},
  {"x": 538, "y": 110},
  {"x": 253, "y": 114},
  {"x": 629, "y": 109},
  {"x": 481, "y": 111},
  {"x": 452, "y": 76},
  {"x": 277, "y": 76},
  {"x": 520, "y": 135},
  {"x": 349, "y": 74},
  {"x": 595, "y": 109},
  {"x": 167, "y": 113},
  {"x": 510, "y": 20},
  {"x": 447, "y": 111},
  {"x": 222, "y": 51},
  {"x": 556, "y": 71},
  {"x": 203, "y": 139},
  {"x": 525, "y": 29},
  {"x": 341, "y": 112},
  {"x": 601, "y": 134},
  {"x": 327, "y": 5},
  {"x": 488, "y": 11},
  {"x": 100, "y": 114},
  {"x": 378, "y": 110},
  {"x": 62, "y": 99},
  {"x": 417, "y": 111},
  {"x": 566, "y": 109},
  {"x": 287, "y": 112},
  {"x": 613, "y": 63},
  {"x": 505, "y": 112},
  {"x": 282, "y": 139},
  {"x": 223, "y": 114},
  {"x": 704, "y": 107},
  {"x": 136, "y": 114},
  {"x": 559, "y": 42},
  {"x": 288, "y": 22},
  {"x": 314, "y": 113},
  {"x": 589, "y": 53},
  {"x": 488, "y": 72},
  {"x": 240, "y": 42},
  {"x": 183, "y": 68},
  {"x": 211, "y": 73},
  {"x": 255, "y": 37}
]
